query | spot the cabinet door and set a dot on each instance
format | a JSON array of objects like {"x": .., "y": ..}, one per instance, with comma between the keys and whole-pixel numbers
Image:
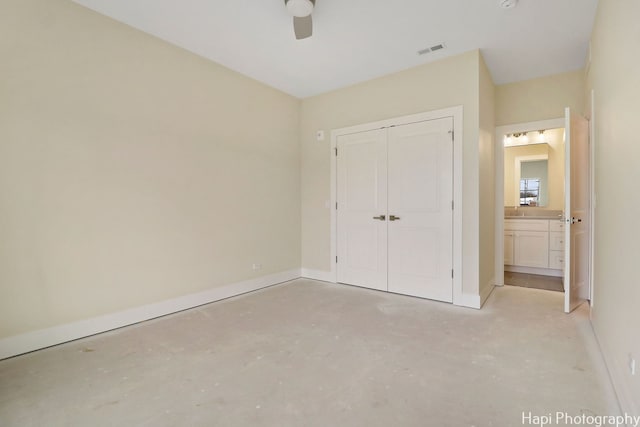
[
  {"x": 556, "y": 260},
  {"x": 508, "y": 248},
  {"x": 532, "y": 249},
  {"x": 556, "y": 241}
]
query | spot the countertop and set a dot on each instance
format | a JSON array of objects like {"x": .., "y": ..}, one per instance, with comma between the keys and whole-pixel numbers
[{"x": 533, "y": 217}]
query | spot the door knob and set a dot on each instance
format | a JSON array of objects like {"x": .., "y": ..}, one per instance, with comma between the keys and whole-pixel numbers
[
  {"x": 381, "y": 217},
  {"x": 393, "y": 218}
]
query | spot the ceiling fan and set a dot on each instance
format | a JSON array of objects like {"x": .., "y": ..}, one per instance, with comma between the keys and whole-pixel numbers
[{"x": 301, "y": 12}]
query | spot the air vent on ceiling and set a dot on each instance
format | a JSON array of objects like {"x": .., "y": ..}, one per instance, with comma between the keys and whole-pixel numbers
[
  {"x": 431, "y": 49},
  {"x": 508, "y": 4}
]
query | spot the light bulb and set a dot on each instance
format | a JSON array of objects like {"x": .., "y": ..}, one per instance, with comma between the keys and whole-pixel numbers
[
  {"x": 541, "y": 136},
  {"x": 300, "y": 8}
]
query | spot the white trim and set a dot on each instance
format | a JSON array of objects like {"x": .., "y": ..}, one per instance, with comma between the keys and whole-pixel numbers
[
  {"x": 499, "y": 207},
  {"x": 486, "y": 291},
  {"x": 30, "y": 341},
  {"x": 470, "y": 301},
  {"x": 619, "y": 376},
  {"x": 457, "y": 114},
  {"x": 501, "y": 131},
  {"x": 568, "y": 187},
  {"x": 592, "y": 191},
  {"x": 323, "y": 276}
]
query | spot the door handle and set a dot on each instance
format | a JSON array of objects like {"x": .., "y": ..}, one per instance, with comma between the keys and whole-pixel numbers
[
  {"x": 381, "y": 217},
  {"x": 393, "y": 218},
  {"x": 574, "y": 220}
]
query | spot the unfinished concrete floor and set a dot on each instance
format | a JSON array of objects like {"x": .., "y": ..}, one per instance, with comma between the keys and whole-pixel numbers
[{"x": 307, "y": 353}]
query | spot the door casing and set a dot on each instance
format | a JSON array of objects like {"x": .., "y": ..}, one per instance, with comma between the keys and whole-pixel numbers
[{"x": 501, "y": 131}]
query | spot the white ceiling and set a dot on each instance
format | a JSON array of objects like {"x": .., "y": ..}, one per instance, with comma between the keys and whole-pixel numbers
[{"x": 357, "y": 40}]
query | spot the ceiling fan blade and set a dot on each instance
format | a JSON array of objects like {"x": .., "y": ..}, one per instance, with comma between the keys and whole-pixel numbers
[{"x": 303, "y": 27}]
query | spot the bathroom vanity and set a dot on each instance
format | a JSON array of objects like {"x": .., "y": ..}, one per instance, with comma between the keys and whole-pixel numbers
[{"x": 534, "y": 245}]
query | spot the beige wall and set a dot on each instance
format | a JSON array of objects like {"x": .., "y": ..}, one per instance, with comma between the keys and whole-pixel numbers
[
  {"x": 615, "y": 76},
  {"x": 554, "y": 149},
  {"x": 132, "y": 171},
  {"x": 539, "y": 99},
  {"x": 446, "y": 83},
  {"x": 487, "y": 170}
]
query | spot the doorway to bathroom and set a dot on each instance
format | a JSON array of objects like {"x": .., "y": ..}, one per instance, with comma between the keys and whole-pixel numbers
[{"x": 543, "y": 205}]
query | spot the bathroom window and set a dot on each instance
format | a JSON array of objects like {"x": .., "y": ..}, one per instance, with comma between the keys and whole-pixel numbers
[{"x": 529, "y": 191}]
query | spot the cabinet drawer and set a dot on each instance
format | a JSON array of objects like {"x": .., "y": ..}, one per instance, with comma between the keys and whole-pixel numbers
[
  {"x": 556, "y": 225},
  {"x": 556, "y": 260},
  {"x": 526, "y": 225},
  {"x": 556, "y": 241}
]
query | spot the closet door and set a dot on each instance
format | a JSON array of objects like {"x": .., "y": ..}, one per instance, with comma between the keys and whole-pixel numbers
[
  {"x": 362, "y": 209},
  {"x": 420, "y": 227}
]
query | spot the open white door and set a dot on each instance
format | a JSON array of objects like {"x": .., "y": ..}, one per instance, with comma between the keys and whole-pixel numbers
[{"x": 577, "y": 195}]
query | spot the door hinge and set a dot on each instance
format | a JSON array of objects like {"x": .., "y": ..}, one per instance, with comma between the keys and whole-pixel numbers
[
  {"x": 336, "y": 260},
  {"x": 336, "y": 205},
  {"x": 453, "y": 135},
  {"x": 336, "y": 150},
  {"x": 452, "y": 273},
  {"x": 452, "y": 205}
]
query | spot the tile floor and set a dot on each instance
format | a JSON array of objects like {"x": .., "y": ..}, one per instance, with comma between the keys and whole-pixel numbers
[{"x": 535, "y": 281}]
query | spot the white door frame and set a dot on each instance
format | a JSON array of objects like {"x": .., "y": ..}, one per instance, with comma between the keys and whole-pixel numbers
[
  {"x": 592, "y": 186},
  {"x": 457, "y": 114},
  {"x": 501, "y": 131}
]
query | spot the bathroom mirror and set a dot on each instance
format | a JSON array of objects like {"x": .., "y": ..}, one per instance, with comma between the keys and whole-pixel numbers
[
  {"x": 534, "y": 182},
  {"x": 534, "y": 170}
]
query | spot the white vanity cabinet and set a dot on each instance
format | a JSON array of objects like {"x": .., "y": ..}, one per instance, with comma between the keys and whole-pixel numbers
[
  {"x": 530, "y": 242},
  {"x": 508, "y": 248},
  {"x": 534, "y": 246},
  {"x": 531, "y": 249},
  {"x": 556, "y": 245}
]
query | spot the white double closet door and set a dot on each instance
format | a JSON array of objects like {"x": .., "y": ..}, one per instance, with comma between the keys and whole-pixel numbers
[{"x": 395, "y": 218}]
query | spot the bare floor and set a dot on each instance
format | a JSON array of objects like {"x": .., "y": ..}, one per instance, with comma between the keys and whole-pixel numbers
[{"x": 308, "y": 353}]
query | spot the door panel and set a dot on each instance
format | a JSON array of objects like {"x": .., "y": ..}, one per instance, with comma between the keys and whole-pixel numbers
[
  {"x": 577, "y": 199},
  {"x": 508, "y": 248},
  {"x": 362, "y": 195},
  {"x": 420, "y": 185},
  {"x": 532, "y": 249}
]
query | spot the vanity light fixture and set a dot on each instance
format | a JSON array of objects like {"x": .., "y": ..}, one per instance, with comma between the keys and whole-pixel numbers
[{"x": 522, "y": 138}]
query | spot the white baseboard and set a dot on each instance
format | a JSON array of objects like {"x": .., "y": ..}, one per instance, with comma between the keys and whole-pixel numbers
[
  {"x": 469, "y": 300},
  {"x": 323, "y": 276},
  {"x": 30, "y": 341},
  {"x": 486, "y": 291},
  {"x": 618, "y": 372}
]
